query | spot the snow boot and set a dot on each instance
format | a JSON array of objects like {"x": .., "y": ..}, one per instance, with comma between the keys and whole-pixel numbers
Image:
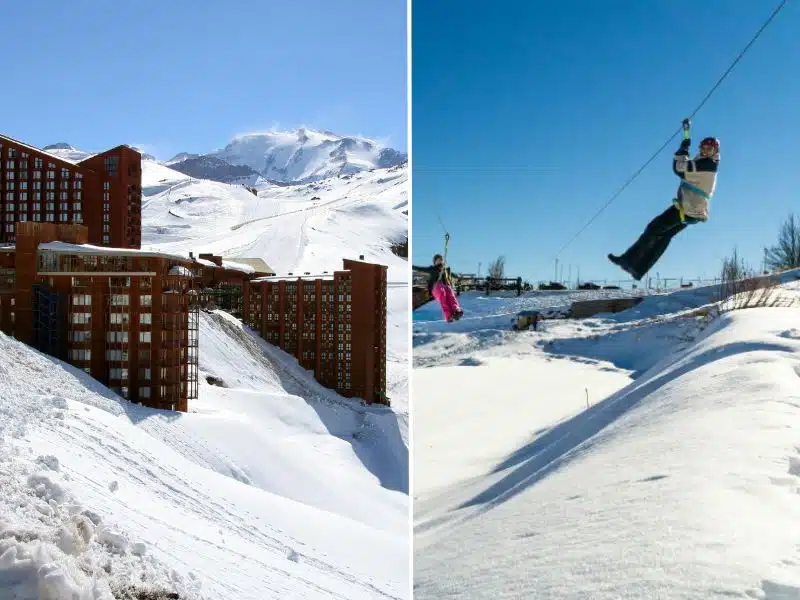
[{"x": 622, "y": 264}]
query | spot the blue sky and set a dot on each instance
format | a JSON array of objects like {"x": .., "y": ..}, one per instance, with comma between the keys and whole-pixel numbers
[
  {"x": 179, "y": 75},
  {"x": 527, "y": 119}
]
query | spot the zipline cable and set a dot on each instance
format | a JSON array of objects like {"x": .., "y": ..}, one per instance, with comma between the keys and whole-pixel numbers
[{"x": 669, "y": 140}]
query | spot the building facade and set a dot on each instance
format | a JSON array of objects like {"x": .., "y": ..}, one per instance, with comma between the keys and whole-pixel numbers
[
  {"x": 103, "y": 192},
  {"x": 334, "y": 324},
  {"x": 128, "y": 318}
]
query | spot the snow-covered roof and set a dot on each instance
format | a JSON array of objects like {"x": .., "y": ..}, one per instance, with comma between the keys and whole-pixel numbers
[
  {"x": 324, "y": 276},
  {"x": 234, "y": 266},
  {"x": 205, "y": 262},
  {"x": 65, "y": 248},
  {"x": 257, "y": 264}
]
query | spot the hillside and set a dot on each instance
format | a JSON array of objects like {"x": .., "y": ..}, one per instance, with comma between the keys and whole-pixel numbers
[
  {"x": 235, "y": 499},
  {"x": 647, "y": 454}
]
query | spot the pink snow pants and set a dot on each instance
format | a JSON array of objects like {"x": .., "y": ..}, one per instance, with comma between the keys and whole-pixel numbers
[{"x": 447, "y": 299}]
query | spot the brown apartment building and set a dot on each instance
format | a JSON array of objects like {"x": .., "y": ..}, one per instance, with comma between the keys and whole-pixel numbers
[
  {"x": 127, "y": 317},
  {"x": 102, "y": 192},
  {"x": 334, "y": 324}
]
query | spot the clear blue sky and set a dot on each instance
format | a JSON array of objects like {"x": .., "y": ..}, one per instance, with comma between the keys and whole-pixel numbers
[
  {"x": 180, "y": 75},
  {"x": 527, "y": 116}
]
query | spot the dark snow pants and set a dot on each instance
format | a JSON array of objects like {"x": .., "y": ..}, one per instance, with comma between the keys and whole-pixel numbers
[{"x": 652, "y": 244}]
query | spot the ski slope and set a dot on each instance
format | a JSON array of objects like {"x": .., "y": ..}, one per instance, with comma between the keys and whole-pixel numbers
[
  {"x": 271, "y": 487},
  {"x": 296, "y": 229},
  {"x": 650, "y": 454}
]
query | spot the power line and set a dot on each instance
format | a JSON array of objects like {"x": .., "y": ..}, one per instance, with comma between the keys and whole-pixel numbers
[{"x": 679, "y": 130}]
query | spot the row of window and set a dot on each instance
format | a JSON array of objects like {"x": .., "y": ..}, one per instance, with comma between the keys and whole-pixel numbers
[
  {"x": 37, "y": 185},
  {"x": 11, "y": 173},
  {"x": 49, "y": 196}
]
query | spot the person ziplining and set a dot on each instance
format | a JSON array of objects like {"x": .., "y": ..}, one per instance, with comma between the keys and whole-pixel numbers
[
  {"x": 440, "y": 285},
  {"x": 690, "y": 205}
]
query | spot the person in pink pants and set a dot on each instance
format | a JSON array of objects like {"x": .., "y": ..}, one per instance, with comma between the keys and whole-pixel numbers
[{"x": 440, "y": 288}]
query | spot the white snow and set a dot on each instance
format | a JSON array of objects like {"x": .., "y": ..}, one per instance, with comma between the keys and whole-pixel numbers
[
  {"x": 653, "y": 453},
  {"x": 256, "y": 493},
  {"x": 302, "y": 155}
]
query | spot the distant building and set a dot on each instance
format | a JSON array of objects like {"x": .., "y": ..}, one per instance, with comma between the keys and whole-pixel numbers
[
  {"x": 334, "y": 324},
  {"x": 103, "y": 192},
  {"x": 127, "y": 317}
]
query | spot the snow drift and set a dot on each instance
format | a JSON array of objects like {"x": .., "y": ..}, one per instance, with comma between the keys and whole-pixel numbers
[{"x": 648, "y": 454}]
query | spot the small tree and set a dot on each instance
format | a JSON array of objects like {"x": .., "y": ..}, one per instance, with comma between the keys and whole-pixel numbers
[
  {"x": 497, "y": 269},
  {"x": 785, "y": 254}
]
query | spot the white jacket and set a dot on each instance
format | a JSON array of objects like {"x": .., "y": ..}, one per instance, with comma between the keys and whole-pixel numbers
[{"x": 699, "y": 180}]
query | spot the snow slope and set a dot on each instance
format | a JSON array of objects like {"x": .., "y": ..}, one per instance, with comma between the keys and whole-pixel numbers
[
  {"x": 649, "y": 454},
  {"x": 256, "y": 493},
  {"x": 298, "y": 229}
]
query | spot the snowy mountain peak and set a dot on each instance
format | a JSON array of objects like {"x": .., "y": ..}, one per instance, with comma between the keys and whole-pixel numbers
[
  {"x": 306, "y": 154},
  {"x": 180, "y": 157},
  {"x": 59, "y": 146}
]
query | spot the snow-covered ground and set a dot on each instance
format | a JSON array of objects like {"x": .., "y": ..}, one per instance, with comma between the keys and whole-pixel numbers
[
  {"x": 271, "y": 486},
  {"x": 654, "y": 453}
]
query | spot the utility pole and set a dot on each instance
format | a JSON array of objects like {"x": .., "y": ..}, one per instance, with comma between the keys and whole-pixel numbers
[
  {"x": 579, "y": 274},
  {"x": 569, "y": 277},
  {"x": 555, "y": 274},
  {"x": 479, "y": 268}
]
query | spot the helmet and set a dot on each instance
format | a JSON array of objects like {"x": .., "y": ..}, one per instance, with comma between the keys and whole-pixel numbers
[
  {"x": 709, "y": 146},
  {"x": 437, "y": 257}
]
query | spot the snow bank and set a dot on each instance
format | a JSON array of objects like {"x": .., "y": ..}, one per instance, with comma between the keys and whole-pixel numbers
[
  {"x": 70, "y": 447},
  {"x": 682, "y": 483}
]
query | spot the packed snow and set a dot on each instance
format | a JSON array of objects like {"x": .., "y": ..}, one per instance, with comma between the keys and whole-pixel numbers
[{"x": 652, "y": 453}]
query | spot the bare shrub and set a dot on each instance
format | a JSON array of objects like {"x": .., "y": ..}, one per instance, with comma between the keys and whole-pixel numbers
[{"x": 741, "y": 288}]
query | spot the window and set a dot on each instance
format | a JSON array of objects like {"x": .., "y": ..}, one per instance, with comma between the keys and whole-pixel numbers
[
  {"x": 111, "y": 164},
  {"x": 118, "y": 373},
  {"x": 146, "y": 300},
  {"x": 78, "y": 318},
  {"x": 80, "y": 336},
  {"x": 80, "y": 354},
  {"x": 145, "y": 318},
  {"x": 144, "y": 337},
  {"x": 118, "y": 337},
  {"x": 120, "y": 300},
  {"x": 144, "y": 392},
  {"x": 119, "y": 318}
]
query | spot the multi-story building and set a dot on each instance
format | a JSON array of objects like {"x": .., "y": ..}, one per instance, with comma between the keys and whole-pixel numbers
[
  {"x": 103, "y": 192},
  {"x": 334, "y": 324},
  {"x": 127, "y": 317}
]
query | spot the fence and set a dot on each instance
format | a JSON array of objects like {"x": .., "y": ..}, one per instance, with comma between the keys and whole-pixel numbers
[{"x": 649, "y": 283}]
